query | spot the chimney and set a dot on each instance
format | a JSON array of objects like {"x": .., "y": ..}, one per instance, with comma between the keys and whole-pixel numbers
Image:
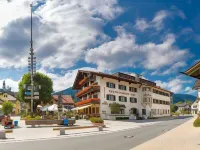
[{"x": 138, "y": 77}]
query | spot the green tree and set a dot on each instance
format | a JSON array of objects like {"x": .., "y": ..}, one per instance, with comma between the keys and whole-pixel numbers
[
  {"x": 115, "y": 108},
  {"x": 173, "y": 108},
  {"x": 188, "y": 101},
  {"x": 180, "y": 102},
  {"x": 7, "y": 107},
  {"x": 39, "y": 79}
]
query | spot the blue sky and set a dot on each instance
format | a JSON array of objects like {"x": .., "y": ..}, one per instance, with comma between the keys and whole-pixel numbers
[{"x": 157, "y": 39}]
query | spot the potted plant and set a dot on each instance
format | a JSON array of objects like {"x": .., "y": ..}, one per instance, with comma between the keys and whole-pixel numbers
[{"x": 97, "y": 121}]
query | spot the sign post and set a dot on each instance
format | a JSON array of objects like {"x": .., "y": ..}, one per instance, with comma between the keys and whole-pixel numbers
[{"x": 59, "y": 105}]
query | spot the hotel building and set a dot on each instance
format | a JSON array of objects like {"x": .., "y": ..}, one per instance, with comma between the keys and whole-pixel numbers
[{"x": 136, "y": 96}]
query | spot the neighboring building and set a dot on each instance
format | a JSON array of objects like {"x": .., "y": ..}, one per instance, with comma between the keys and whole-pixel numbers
[
  {"x": 67, "y": 101},
  {"x": 134, "y": 94},
  {"x": 194, "y": 72},
  {"x": 184, "y": 107},
  {"x": 194, "y": 108},
  {"x": 7, "y": 95}
]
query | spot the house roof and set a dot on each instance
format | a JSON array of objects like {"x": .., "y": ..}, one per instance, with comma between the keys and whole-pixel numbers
[
  {"x": 66, "y": 99},
  {"x": 193, "y": 71},
  {"x": 118, "y": 76},
  {"x": 182, "y": 105},
  {"x": 197, "y": 85}
]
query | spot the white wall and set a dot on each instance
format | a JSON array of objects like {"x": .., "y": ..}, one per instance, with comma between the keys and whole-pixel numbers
[{"x": 105, "y": 90}]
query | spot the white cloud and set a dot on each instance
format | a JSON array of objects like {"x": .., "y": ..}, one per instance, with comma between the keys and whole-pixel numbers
[
  {"x": 189, "y": 90},
  {"x": 124, "y": 51},
  {"x": 158, "y": 20},
  {"x": 63, "y": 30},
  {"x": 61, "y": 82},
  {"x": 178, "y": 12},
  {"x": 175, "y": 85},
  {"x": 141, "y": 24},
  {"x": 11, "y": 83},
  {"x": 170, "y": 70}
]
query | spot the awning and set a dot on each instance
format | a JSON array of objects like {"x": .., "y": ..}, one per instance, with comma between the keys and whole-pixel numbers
[{"x": 78, "y": 108}]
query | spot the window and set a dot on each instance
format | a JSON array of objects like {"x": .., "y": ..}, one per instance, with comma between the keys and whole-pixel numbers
[
  {"x": 154, "y": 100},
  {"x": 122, "y": 99},
  {"x": 122, "y": 87},
  {"x": 133, "y": 100},
  {"x": 132, "y": 89},
  {"x": 143, "y": 111},
  {"x": 122, "y": 111},
  {"x": 110, "y": 97},
  {"x": 110, "y": 85}
]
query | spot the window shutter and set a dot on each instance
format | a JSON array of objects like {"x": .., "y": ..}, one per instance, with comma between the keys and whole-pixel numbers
[
  {"x": 107, "y": 97},
  {"x": 107, "y": 84}
]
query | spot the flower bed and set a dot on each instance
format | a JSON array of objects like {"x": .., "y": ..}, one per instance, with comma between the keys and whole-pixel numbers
[{"x": 96, "y": 121}]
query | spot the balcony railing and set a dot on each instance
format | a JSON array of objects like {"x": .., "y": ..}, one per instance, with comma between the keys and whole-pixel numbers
[
  {"x": 87, "y": 79},
  {"x": 88, "y": 89},
  {"x": 88, "y": 101}
]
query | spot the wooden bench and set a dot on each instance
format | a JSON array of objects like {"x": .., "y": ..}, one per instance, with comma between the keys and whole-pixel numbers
[
  {"x": 4, "y": 132},
  {"x": 62, "y": 130}
]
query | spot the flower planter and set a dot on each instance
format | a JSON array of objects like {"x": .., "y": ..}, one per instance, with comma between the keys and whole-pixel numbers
[{"x": 98, "y": 124}]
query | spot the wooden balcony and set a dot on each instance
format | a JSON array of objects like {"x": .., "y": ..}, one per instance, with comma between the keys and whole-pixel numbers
[
  {"x": 86, "y": 79},
  {"x": 91, "y": 88},
  {"x": 88, "y": 101}
]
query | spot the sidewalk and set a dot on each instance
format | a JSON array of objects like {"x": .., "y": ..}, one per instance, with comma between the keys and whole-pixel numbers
[{"x": 184, "y": 137}]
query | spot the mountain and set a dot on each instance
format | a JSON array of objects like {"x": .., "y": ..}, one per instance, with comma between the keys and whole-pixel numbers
[
  {"x": 68, "y": 91},
  {"x": 183, "y": 97}
]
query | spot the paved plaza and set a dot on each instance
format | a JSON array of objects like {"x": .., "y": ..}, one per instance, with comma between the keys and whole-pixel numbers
[{"x": 26, "y": 133}]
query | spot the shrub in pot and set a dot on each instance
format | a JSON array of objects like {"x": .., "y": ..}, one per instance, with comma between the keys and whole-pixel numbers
[{"x": 96, "y": 121}]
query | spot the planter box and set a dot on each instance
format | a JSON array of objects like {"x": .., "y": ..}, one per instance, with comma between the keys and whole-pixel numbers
[
  {"x": 98, "y": 124},
  {"x": 43, "y": 122}
]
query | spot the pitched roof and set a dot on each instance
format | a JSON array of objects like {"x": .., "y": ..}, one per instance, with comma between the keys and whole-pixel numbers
[
  {"x": 197, "y": 85},
  {"x": 118, "y": 76},
  {"x": 182, "y": 104},
  {"x": 193, "y": 71},
  {"x": 66, "y": 99}
]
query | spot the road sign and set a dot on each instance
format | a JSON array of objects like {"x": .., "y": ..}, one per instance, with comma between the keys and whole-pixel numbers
[
  {"x": 27, "y": 97},
  {"x": 27, "y": 93},
  {"x": 29, "y": 87},
  {"x": 36, "y": 97},
  {"x": 36, "y": 93}
]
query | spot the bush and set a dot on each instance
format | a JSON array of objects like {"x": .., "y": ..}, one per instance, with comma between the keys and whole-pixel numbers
[
  {"x": 122, "y": 118},
  {"x": 96, "y": 120},
  {"x": 32, "y": 118},
  {"x": 176, "y": 114},
  {"x": 196, "y": 123}
]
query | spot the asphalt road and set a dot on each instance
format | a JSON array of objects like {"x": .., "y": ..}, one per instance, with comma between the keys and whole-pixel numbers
[{"x": 112, "y": 141}]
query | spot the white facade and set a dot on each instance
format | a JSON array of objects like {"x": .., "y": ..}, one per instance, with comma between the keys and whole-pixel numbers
[{"x": 152, "y": 109}]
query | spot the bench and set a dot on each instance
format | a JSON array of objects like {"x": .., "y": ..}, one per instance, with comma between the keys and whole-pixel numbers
[
  {"x": 62, "y": 130},
  {"x": 4, "y": 132}
]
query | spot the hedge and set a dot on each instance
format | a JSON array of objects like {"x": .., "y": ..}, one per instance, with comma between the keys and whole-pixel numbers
[
  {"x": 196, "y": 123},
  {"x": 96, "y": 120}
]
